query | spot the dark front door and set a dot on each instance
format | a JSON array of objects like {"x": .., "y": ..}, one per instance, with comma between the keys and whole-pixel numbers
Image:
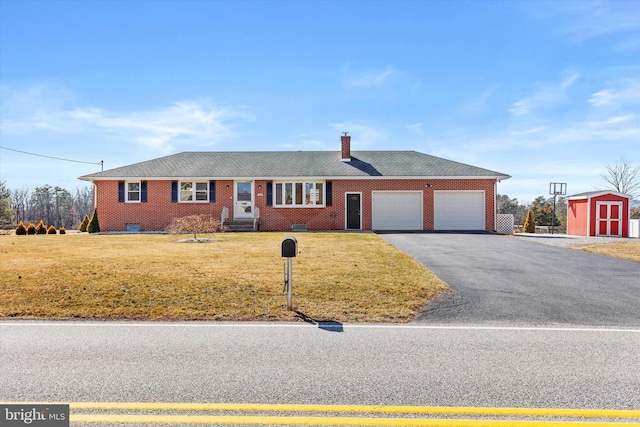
[{"x": 353, "y": 211}]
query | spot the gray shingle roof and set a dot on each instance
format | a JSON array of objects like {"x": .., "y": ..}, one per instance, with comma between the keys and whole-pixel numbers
[{"x": 295, "y": 164}]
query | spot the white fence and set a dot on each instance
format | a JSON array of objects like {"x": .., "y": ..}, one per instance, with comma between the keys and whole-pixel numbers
[
  {"x": 634, "y": 228},
  {"x": 505, "y": 224}
]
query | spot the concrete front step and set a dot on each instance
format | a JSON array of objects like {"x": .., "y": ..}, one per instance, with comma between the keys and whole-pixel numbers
[{"x": 239, "y": 225}]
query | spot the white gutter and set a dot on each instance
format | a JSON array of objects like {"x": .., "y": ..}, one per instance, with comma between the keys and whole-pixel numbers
[{"x": 282, "y": 178}]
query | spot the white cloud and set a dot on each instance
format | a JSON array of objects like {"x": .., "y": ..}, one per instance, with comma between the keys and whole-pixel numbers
[
  {"x": 591, "y": 19},
  {"x": 185, "y": 123},
  {"x": 630, "y": 44},
  {"x": 479, "y": 105},
  {"x": 416, "y": 128},
  {"x": 367, "y": 78},
  {"x": 524, "y": 132},
  {"x": 545, "y": 95},
  {"x": 534, "y": 157},
  {"x": 621, "y": 92},
  {"x": 612, "y": 121}
]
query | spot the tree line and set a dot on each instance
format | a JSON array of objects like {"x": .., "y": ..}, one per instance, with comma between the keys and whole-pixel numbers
[
  {"x": 54, "y": 205},
  {"x": 541, "y": 207},
  {"x": 623, "y": 177}
]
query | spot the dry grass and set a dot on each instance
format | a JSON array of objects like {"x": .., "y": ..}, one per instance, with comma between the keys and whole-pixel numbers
[
  {"x": 627, "y": 249},
  {"x": 239, "y": 276}
]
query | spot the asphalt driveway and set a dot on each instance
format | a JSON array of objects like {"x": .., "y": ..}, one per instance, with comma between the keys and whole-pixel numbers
[{"x": 502, "y": 280}]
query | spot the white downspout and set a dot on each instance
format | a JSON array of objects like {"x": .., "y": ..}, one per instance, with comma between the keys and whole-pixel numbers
[{"x": 95, "y": 195}]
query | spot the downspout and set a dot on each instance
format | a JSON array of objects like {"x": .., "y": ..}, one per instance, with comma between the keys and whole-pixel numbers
[{"x": 95, "y": 195}]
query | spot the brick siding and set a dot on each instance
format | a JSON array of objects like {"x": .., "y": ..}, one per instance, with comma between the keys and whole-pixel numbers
[{"x": 157, "y": 212}]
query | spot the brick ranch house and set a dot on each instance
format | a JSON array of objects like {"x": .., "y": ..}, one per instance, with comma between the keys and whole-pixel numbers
[{"x": 312, "y": 190}]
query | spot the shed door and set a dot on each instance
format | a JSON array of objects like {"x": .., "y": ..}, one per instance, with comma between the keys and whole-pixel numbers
[
  {"x": 459, "y": 210},
  {"x": 397, "y": 210},
  {"x": 609, "y": 219}
]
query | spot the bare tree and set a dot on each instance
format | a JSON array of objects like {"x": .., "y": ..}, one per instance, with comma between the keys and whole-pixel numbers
[
  {"x": 194, "y": 224},
  {"x": 55, "y": 205},
  {"x": 82, "y": 204},
  {"x": 623, "y": 177},
  {"x": 63, "y": 205},
  {"x": 41, "y": 201},
  {"x": 20, "y": 202},
  {"x": 507, "y": 205}
]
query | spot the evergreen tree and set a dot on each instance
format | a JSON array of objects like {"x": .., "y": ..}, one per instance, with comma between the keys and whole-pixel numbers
[
  {"x": 41, "y": 228},
  {"x": 6, "y": 211},
  {"x": 31, "y": 229},
  {"x": 530, "y": 222},
  {"x": 94, "y": 226},
  {"x": 21, "y": 230},
  {"x": 83, "y": 225}
]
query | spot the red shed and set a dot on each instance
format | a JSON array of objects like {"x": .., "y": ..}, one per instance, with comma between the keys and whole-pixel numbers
[{"x": 598, "y": 213}]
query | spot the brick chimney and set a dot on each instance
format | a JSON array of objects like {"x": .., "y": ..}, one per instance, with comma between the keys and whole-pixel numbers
[{"x": 346, "y": 147}]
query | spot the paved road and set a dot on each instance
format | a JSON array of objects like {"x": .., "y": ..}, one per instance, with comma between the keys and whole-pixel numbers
[
  {"x": 504, "y": 280},
  {"x": 418, "y": 365},
  {"x": 298, "y": 363}
]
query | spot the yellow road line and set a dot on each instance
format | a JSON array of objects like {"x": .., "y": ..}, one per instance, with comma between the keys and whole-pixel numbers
[
  {"x": 630, "y": 415},
  {"x": 324, "y": 421},
  {"x": 378, "y": 409}
]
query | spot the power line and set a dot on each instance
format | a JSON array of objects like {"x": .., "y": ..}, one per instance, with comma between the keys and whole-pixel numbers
[{"x": 101, "y": 163}]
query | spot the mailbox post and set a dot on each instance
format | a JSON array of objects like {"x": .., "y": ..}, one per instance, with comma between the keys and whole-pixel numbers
[{"x": 289, "y": 251}]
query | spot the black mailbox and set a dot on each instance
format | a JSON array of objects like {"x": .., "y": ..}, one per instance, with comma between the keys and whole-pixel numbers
[{"x": 289, "y": 247}]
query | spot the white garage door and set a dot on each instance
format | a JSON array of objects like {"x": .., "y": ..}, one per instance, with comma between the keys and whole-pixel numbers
[
  {"x": 397, "y": 210},
  {"x": 459, "y": 210}
]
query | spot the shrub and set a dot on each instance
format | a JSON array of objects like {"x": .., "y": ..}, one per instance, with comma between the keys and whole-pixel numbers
[
  {"x": 84, "y": 224},
  {"x": 530, "y": 222},
  {"x": 41, "y": 228},
  {"x": 21, "y": 230},
  {"x": 51, "y": 230},
  {"x": 62, "y": 231},
  {"x": 31, "y": 229},
  {"x": 194, "y": 224},
  {"x": 94, "y": 225}
]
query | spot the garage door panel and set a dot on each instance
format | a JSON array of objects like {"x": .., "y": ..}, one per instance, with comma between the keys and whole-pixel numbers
[
  {"x": 459, "y": 210},
  {"x": 397, "y": 210}
]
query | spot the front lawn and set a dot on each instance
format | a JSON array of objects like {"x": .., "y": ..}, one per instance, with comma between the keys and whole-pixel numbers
[
  {"x": 627, "y": 249},
  {"x": 345, "y": 277}
]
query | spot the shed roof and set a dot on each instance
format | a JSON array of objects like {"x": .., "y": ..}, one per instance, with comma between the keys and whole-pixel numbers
[
  {"x": 592, "y": 194},
  {"x": 296, "y": 164}
]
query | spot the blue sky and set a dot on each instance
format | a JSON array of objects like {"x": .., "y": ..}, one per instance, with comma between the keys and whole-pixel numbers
[{"x": 545, "y": 91}]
